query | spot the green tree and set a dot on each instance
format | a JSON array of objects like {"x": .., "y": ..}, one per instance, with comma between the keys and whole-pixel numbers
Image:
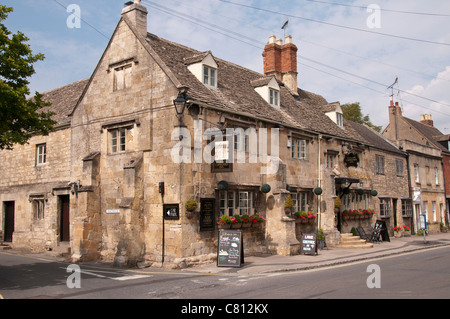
[
  {"x": 352, "y": 112},
  {"x": 21, "y": 117}
]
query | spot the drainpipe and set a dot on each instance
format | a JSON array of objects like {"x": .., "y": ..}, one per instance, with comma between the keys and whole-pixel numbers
[
  {"x": 411, "y": 194},
  {"x": 319, "y": 183}
]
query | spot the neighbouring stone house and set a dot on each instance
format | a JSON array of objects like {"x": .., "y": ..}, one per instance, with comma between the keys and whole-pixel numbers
[
  {"x": 420, "y": 140},
  {"x": 389, "y": 177},
  {"x": 112, "y": 181}
]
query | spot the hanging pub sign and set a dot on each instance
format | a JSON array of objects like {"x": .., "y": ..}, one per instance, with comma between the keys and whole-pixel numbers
[
  {"x": 171, "y": 211},
  {"x": 351, "y": 159},
  {"x": 207, "y": 214}
]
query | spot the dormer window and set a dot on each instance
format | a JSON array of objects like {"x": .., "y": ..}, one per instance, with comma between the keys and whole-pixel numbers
[
  {"x": 204, "y": 67},
  {"x": 274, "y": 98},
  {"x": 334, "y": 112},
  {"x": 209, "y": 76},
  {"x": 268, "y": 88}
]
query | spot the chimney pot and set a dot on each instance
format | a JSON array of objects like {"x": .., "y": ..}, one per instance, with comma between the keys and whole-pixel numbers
[{"x": 426, "y": 119}]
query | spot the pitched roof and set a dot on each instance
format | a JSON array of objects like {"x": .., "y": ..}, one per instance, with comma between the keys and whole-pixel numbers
[
  {"x": 432, "y": 134},
  {"x": 235, "y": 91},
  {"x": 63, "y": 100},
  {"x": 373, "y": 138}
]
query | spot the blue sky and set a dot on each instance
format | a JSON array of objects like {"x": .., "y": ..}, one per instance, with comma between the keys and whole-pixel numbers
[{"x": 339, "y": 63}]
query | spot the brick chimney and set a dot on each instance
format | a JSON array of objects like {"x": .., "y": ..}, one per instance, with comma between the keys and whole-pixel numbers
[
  {"x": 137, "y": 14},
  {"x": 426, "y": 119},
  {"x": 280, "y": 60}
]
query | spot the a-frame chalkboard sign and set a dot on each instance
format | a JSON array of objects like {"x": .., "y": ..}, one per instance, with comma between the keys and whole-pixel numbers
[{"x": 230, "y": 251}]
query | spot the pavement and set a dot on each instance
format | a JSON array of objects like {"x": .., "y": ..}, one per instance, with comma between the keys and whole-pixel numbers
[
  {"x": 266, "y": 264},
  {"x": 254, "y": 265}
]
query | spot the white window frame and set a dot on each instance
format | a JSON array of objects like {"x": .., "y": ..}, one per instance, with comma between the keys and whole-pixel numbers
[
  {"x": 354, "y": 201},
  {"x": 339, "y": 119},
  {"x": 331, "y": 160},
  {"x": 416, "y": 173},
  {"x": 385, "y": 207},
  {"x": 41, "y": 154},
  {"x": 236, "y": 202},
  {"x": 209, "y": 76},
  {"x": 299, "y": 149},
  {"x": 406, "y": 207},
  {"x": 436, "y": 176},
  {"x": 300, "y": 200},
  {"x": 433, "y": 209},
  {"x": 118, "y": 140},
  {"x": 274, "y": 97}
]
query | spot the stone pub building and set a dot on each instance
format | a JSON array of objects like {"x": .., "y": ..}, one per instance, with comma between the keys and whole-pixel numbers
[{"x": 112, "y": 181}]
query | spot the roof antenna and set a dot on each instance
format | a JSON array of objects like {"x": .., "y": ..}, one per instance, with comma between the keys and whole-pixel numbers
[
  {"x": 392, "y": 89},
  {"x": 284, "y": 27}
]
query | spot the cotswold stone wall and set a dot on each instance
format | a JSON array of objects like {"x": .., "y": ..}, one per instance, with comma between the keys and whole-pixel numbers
[{"x": 22, "y": 180}]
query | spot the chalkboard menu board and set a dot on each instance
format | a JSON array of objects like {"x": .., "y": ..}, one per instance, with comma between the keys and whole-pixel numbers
[
  {"x": 230, "y": 252},
  {"x": 309, "y": 244}
]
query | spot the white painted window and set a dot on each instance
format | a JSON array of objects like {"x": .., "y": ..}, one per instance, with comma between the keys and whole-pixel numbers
[
  {"x": 234, "y": 202},
  {"x": 299, "y": 149},
  {"x": 41, "y": 154},
  {"x": 339, "y": 119},
  {"x": 385, "y": 207},
  {"x": 274, "y": 97},
  {"x": 209, "y": 76},
  {"x": 118, "y": 140},
  {"x": 300, "y": 201},
  {"x": 433, "y": 208},
  {"x": 416, "y": 173}
]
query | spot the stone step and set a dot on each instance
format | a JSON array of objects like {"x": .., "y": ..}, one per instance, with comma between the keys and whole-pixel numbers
[
  {"x": 62, "y": 250},
  {"x": 353, "y": 242},
  {"x": 5, "y": 246}
]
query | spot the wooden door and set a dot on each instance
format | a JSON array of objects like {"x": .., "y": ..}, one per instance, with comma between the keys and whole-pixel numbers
[
  {"x": 64, "y": 217},
  {"x": 9, "y": 221}
]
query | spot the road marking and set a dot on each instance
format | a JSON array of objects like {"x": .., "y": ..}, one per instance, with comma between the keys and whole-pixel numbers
[
  {"x": 121, "y": 278},
  {"x": 132, "y": 277}
]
